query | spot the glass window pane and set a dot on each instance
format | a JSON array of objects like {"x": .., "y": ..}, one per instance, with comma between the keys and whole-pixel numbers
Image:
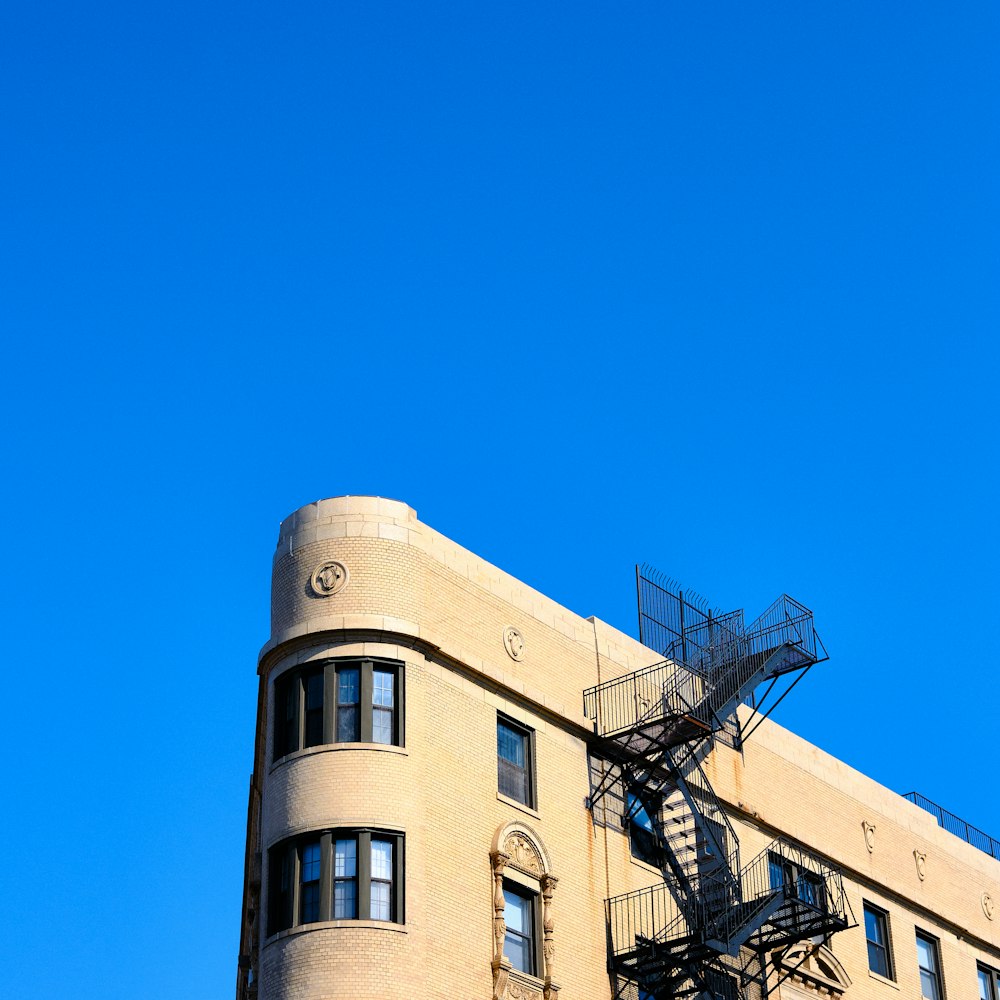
[
  {"x": 510, "y": 744},
  {"x": 348, "y": 686},
  {"x": 924, "y": 956},
  {"x": 512, "y": 780},
  {"x": 382, "y": 725},
  {"x": 876, "y": 931},
  {"x": 348, "y": 724},
  {"x": 382, "y": 689},
  {"x": 873, "y": 926},
  {"x": 345, "y": 859},
  {"x": 776, "y": 871},
  {"x": 345, "y": 901},
  {"x": 286, "y": 706},
  {"x": 638, "y": 813},
  {"x": 927, "y": 960},
  {"x": 381, "y": 901},
  {"x": 314, "y": 691},
  {"x": 382, "y": 859},
  {"x": 877, "y": 960},
  {"x": 642, "y": 837},
  {"x": 519, "y": 952},
  {"x": 310, "y": 862},
  {"x": 516, "y": 912},
  {"x": 310, "y": 903},
  {"x": 810, "y": 890},
  {"x": 985, "y": 985},
  {"x": 928, "y": 985}
]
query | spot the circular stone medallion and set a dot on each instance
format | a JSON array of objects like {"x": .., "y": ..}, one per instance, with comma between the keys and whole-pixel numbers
[
  {"x": 328, "y": 578},
  {"x": 513, "y": 642}
]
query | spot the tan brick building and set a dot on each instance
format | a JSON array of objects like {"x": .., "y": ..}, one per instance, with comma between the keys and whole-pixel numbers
[{"x": 432, "y": 813}]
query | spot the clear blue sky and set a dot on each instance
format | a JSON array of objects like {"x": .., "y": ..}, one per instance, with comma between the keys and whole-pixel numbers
[{"x": 712, "y": 285}]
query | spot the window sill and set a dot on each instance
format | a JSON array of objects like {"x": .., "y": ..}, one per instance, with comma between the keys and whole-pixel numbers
[
  {"x": 882, "y": 979},
  {"x": 646, "y": 866},
  {"x": 321, "y": 925},
  {"x": 507, "y": 801},
  {"x": 533, "y": 983},
  {"x": 334, "y": 747}
]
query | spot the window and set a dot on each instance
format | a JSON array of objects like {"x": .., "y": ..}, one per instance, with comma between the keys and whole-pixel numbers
[
  {"x": 877, "y": 933},
  {"x": 805, "y": 885},
  {"x": 929, "y": 964},
  {"x": 722, "y": 985},
  {"x": 641, "y": 833},
  {"x": 335, "y": 875},
  {"x": 309, "y": 883},
  {"x": 711, "y": 862},
  {"x": 514, "y": 761},
  {"x": 340, "y": 701},
  {"x": 348, "y": 725},
  {"x": 345, "y": 878},
  {"x": 989, "y": 983},
  {"x": 519, "y": 916}
]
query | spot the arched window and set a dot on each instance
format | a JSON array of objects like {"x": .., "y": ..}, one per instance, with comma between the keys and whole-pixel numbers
[{"x": 523, "y": 928}]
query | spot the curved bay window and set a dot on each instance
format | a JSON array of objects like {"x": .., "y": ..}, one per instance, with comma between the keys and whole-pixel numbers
[
  {"x": 335, "y": 875},
  {"x": 355, "y": 700}
]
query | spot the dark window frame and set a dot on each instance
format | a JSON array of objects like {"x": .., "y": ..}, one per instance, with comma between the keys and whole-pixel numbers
[
  {"x": 802, "y": 883},
  {"x": 881, "y": 920},
  {"x": 284, "y": 875},
  {"x": 296, "y": 725},
  {"x": 309, "y": 879},
  {"x": 936, "y": 973},
  {"x": 527, "y": 738},
  {"x": 992, "y": 981},
  {"x": 530, "y": 897},
  {"x": 643, "y": 842}
]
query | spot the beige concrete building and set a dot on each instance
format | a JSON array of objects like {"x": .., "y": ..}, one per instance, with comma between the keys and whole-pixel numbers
[{"x": 435, "y": 811}]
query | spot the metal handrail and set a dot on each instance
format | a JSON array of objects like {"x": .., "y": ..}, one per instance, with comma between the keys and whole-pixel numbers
[
  {"x": 954, "y": 824},
  {"x": 816, "y": 885},
  {"x": 650, "y": 915},
  {"x": 645, "y": 695},
  {"x": 707, "y": 807}
]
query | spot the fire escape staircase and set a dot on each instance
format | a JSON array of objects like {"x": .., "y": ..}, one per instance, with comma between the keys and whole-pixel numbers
[{"x": 652, "y": 728}]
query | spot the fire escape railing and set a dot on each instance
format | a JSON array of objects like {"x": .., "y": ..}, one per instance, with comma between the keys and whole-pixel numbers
[
  {"x": 664, "y": 690},
  {"x": 652, "y": 728}
]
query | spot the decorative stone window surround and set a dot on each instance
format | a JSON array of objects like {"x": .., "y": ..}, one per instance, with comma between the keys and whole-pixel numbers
[
  {"x": 518, "y": 855},
  {"x": 814, "y": 968}
]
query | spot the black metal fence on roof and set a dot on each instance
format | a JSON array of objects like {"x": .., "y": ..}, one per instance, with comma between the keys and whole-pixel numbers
[{"x": 956, "y": 825}]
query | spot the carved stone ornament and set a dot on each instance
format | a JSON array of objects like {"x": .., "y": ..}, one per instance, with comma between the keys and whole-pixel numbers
[
  {"x": 988, "y": 905},
  {"x": 522, "y": 991},
  {"x": 920, "y": 858},
  {"x": 523, "y": 854},
  {"x": 500, "y": 964},
  {"x": 513, "y": 642},
  {"x": 869, "y": 829},
  {"x": 814, "y": 967},
  {"x": 328, "y": 578},
  {"x": 517, "y": 845}
]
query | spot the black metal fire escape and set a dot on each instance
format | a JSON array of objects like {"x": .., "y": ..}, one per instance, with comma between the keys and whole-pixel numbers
[{"x": 707, "y": 929}]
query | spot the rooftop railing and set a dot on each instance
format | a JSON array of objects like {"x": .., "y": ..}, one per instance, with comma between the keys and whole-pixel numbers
[{"x": 954, "y": 824}]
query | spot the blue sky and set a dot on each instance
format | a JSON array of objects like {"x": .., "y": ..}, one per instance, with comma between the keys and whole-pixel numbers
[{"x": 709, "y": 285}]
